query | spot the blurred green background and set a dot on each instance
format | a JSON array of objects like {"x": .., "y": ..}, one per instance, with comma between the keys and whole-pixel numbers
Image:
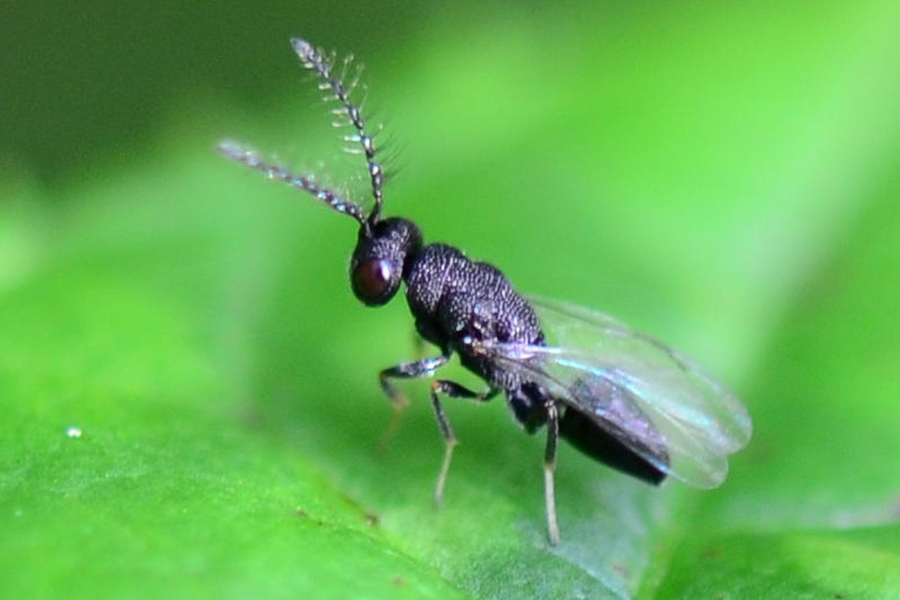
[{"x": 188, "y": 400}]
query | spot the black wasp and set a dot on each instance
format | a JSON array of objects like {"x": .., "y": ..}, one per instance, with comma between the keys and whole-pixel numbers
[{"x": 621, "y": 398}]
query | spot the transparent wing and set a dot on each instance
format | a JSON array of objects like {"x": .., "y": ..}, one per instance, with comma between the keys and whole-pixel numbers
[{"x": 638, "y": 390}]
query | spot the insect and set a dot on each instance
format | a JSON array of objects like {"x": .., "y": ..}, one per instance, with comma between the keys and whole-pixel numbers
[{"x": 620, "y": 397}]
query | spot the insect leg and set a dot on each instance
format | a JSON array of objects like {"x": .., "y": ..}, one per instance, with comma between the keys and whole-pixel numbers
[
  {"x": 549, "y": 468},
  {"x": 399, "y": 401},
  {"x": 453, "y": 390}
]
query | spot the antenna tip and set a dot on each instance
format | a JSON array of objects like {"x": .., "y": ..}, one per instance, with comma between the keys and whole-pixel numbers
[
  {"x": 238, "y": 152},
  {"x": 230, "y": 148},
  {"x": 303, "y": 48}
]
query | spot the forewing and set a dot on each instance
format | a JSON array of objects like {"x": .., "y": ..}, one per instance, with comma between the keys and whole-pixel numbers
[{"x": 635, "y": 388}]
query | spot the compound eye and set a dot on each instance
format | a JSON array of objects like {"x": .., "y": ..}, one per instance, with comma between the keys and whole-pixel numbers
[{"x": 372, "y": 281}]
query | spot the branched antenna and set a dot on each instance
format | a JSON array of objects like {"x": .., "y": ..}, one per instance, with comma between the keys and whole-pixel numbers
[
  {"x": 324, "y": 66},
  {"x": 244, "y": 155}
]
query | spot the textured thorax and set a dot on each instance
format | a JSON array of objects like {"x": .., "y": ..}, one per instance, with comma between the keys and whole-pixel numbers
[{"x": 453, "y": 297}]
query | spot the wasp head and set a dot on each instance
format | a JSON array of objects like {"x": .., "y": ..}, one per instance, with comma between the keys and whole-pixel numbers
[
  {"x": 385, "y": 247},
  {"x": 384, "y": 252}
]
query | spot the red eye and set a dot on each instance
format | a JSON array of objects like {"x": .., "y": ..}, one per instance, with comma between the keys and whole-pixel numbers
[{"x": 372, "y": 281}]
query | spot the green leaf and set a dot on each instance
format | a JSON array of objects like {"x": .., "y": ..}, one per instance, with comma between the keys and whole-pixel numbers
[{"x": 187, "y": 387}]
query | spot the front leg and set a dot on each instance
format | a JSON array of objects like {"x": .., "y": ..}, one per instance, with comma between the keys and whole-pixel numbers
[
  {"x": 399, "y": 401},
  {"x": 426, "y": 368},
  {"x": 408, "y": 370}
]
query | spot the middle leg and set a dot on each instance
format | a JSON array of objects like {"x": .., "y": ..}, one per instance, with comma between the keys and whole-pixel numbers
[{"x": 452, "y": 390}]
